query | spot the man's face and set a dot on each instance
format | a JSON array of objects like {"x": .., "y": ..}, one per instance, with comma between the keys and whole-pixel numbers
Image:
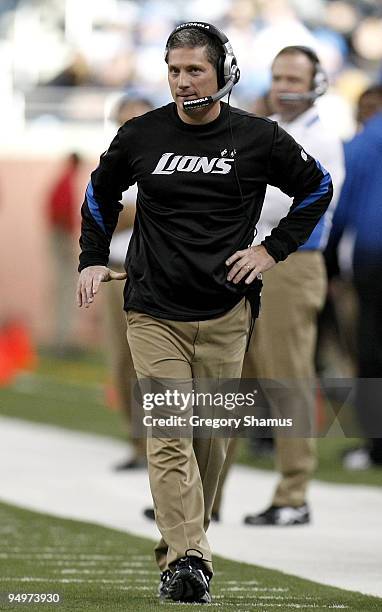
[
  {"x": 190, "y": 75},
  {"x": 291, "y": 73},
  {"x": 368, "y": 105}
]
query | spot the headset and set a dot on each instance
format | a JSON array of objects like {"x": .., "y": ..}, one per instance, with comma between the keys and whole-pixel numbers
[
  {"x": 228, "y": 72},
  {"x": 320, "y": 79}
]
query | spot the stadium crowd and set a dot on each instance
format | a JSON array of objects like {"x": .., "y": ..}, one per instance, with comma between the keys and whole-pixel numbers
[{"x": 118, "y": 44}]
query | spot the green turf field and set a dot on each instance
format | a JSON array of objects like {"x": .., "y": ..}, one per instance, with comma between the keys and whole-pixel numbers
[
  {"x": 70, "y": 393},
  {"x": 93, "y": 568}
]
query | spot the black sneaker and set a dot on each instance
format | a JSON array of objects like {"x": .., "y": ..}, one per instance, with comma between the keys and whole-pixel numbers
[
  {"x": 136, "y": 463},
  {"x": 190, "y": 582},
  {"x": 280, "y": 516},
  {"x": 165, "y": 578},
  {"x": 149, "y": 513}
]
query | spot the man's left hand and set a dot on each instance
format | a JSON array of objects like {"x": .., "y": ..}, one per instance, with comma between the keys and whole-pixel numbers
[{"x": 249, "y": 263}]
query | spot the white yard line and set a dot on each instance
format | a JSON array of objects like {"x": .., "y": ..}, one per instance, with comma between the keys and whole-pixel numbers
[{"x": 68, "y": 474}]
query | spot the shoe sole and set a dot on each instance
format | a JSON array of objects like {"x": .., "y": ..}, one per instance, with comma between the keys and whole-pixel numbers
[
  {"x": 290, "y": 524},
  {"x": 188, "y": 587}
]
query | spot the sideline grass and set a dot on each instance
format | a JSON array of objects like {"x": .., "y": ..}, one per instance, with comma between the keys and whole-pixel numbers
[
  {"x": 94, "y": 568},
  {"x": 70, "y": 393}
]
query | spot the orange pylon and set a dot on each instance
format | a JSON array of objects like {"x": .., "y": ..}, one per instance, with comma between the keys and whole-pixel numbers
[
  {"x": 20, "y": 346},
  {"x": 7, "y": 367}
]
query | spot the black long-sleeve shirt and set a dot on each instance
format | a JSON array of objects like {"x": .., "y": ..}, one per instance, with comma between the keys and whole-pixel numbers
[{"x": 200, "y": 192}]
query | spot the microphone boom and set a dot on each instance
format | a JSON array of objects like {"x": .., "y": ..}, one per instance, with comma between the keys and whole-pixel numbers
[{"x": 189, "y": 105}]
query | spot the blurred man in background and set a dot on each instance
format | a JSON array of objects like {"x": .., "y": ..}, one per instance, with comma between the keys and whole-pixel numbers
[
  {"x": 337, "y": 346},
  {"x": 359, "y": 210},
  {"x": 283, "y": 345},
  {"x": 119, "y": 356}
]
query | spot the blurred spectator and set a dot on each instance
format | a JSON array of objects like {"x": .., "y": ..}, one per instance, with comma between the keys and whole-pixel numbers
[
  {"x": 367, "y": 39},
  {"x": 62, "y": 213},
  {"x": 337, "y": 350},
  {"x": 360, "y": 211},
  {"x": 8, "y": 5},
  {"x": 242, "y": 26},
  {"x": 118, "y": 40},
  {"x": 369, "y": 103},
  {"x": 279, "y": 26},
  {"x": 119, "y": 356},
  {"x": 103, "y": 30},
  {"x": 75, "y": 74},
  {"x": 262, "y": 106}
]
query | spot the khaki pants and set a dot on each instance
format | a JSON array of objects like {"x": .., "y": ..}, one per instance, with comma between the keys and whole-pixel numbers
[
  {"x": 184, "y": 472},
  {"x": 118, "y": 353},
  {"x": 283, "y": 347}
]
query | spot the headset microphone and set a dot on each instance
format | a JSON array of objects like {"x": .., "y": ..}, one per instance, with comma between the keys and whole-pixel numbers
[
  {"x": 207, "y": 100},
  {"x": 295, "y": 97}
]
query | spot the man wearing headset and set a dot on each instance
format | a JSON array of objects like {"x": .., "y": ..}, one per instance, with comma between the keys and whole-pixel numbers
[
  {"x": 283, "y": 346},
  {"x": 202, "y": 171}
]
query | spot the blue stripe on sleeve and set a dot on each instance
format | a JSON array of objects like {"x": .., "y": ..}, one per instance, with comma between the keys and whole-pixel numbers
[
  {"x": 321, "y": 167},
  {"x": 321, "y": 191},
  {"x": 94, "y": 206},
  {"x": 317, "y": 237}
]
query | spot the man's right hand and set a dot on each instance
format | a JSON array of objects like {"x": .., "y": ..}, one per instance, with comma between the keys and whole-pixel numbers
[{"x": 90, "y": 280}]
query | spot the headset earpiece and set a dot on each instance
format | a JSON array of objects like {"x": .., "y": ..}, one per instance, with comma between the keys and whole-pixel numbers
[
  {"x": 320, "y": 81},
  {"x": 231, "y": 68},
  {"x": 220, "y": 71},
  {"x": 235, "y": 74}
]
